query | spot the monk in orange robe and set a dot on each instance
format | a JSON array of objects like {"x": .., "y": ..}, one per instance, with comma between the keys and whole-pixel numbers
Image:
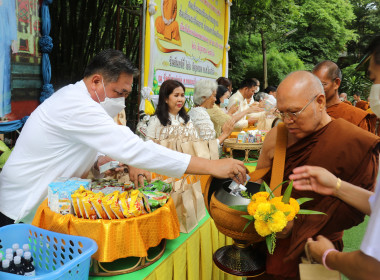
[
  {"x": 361, "y": 104},
  {"x": 166, "y": 24},
  {"x": 344, "y": 149},
  {"x": 330, "y": 76}
]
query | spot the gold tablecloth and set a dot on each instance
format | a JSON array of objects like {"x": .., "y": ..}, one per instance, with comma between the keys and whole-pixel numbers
[{"x": 115, "y": 238}]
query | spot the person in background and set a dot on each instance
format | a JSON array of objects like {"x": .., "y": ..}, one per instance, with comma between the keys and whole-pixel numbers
[
  {"x": 170, "y": 112},
  {"x": 363, "y": 264},
  {"x": 251, "y": 100},
  {"x": 246, "y": 90},
  {"x": 330, "y": 76},
  {"x": 219, "y": 116},
  {"x": 204, "y": 98},
  {"x": 65, "y": 134},
  {"x": 361, "y": 104},
  {"x": 314, "y": 138},
  {"x": 343, "y": 98},
  {"x": 271, "y": 90},
  {"x": 223, "y": 81}
]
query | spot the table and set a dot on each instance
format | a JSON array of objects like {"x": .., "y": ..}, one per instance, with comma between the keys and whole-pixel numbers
[
  {"x": 247, "y": 147},
  {"x": 187, "y": 257}
]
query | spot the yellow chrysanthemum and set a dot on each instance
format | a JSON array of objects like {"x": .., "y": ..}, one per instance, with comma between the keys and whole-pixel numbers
[
  {"x": 262, "y": 228},
  {"x": 252, "y": 206},
  {"x": 294, "y": 205},
  {"x": 263, "y": 211},
  {"x": 260, "y": 196},
  {"x": 277, "y": 222}
]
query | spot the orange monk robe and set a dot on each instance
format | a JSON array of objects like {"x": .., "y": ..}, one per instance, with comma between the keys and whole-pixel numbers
[
  {"x": 352, "y": 114},
  {"x": 347, "y": 102},
  {"x": 350, "y": 153},
  {"x": 170, "y": 31},
  {"x": 362, "y": 105}
]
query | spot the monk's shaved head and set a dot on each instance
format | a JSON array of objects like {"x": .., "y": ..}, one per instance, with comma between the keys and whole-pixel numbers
[
  {"x": 302, "y": 82},
  {"x": 333, "y": 70}
]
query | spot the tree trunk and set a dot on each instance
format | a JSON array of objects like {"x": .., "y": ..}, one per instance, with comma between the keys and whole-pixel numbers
[{"x": 264, "y": 50}]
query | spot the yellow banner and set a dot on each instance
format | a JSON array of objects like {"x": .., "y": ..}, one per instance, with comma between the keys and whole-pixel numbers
[{"x": 189, "y": 41}]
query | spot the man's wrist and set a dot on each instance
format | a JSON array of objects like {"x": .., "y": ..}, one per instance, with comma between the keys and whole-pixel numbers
[{"x": 324, "y": 257}]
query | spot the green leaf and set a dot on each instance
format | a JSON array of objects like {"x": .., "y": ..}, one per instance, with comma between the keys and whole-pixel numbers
[
  {"x": 3, "y": 147},
  {"x": 268, "y": 240},
  {"x": 310, "y": 212},
  {"x": 262, "y": 187},
  {"x": 248, "y": 217},
  {"x": 303, "y": 200},
  {"x": 242, "y": 208},
  {"x": 287, "y": 193},
  {"x": 268, "y": 190},
  {"x": 246, "y": 225},
  {"x": 279, "y": 185}
]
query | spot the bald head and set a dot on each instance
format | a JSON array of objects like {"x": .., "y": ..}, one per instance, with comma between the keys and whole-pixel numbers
[
  {"x": 333, "y": 70},
  {"x": 300, "y": 83}
]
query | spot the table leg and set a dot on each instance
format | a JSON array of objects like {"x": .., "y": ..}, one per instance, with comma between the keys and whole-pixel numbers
[
  {"x": 231, "y": 153},
  {"x": 246, "y": 156}
]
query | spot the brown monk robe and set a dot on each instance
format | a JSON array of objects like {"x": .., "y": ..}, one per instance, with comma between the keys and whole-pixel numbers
[
  {"x": 362, "y": 105},
  {"x": 352, "y": 155},
  {"x": 166, "y": 24},
  {"x": 353, "y": 115},
  {"x": 344, "y": 149}
]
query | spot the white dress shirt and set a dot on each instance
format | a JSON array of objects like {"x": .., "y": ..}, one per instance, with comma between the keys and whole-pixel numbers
[{"x": 61, "y": 139}]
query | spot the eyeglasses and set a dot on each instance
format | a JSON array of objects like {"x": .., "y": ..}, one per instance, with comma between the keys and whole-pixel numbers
[{"x": 295, "y": 115}]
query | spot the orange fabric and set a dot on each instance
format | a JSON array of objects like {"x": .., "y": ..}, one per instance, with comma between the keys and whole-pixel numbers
[
  {"x": 170, "y": 31},
  {"x": 352, "y": 114},
  {"x": 362, "y": 105},
  {"x": 347, "y": 102},
  {"x": 115, "y": 238}
]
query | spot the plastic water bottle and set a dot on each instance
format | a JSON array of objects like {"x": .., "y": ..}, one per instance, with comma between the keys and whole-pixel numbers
[
  {"x": 19, "y": 270},
  {"x": 9, "y": 257},
  {"x": 8, "y": 251},
  {"x": 20, "y": 253},
  {"x": 6, "y": 266},
  {"x": 28, "y": 266},
  {"x": 26, "y": 247},
  {"x": 15, "y": 246}
]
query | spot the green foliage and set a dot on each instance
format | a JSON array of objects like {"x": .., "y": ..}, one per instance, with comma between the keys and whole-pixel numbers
[{"x": 355, "y": 82}]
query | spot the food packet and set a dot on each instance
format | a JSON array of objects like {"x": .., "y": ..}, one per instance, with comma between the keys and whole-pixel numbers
[
  {"x": 124, "y": 204},
  {"x": 158, "y": 185},
  {"x": 88, "y": 208},
  {"x": 135, "y": 204},
  {"x": 156, "y": 199},
  {"x": 114, "y": 205},
  {"x": 96, "y": 203},
  {"x": 77, "y": 202},
  {"x": 107, "y": 207}
]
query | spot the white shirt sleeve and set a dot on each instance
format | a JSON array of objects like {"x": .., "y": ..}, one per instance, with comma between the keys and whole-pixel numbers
[
  {"x": 371, "y": 245},
  {"x": 93, "y": 127}
]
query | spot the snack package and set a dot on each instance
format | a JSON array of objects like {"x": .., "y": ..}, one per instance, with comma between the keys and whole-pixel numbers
[
  {"x": 88, "y": 208},
  {"x": 96, "y": 203},
  {"x": 114, "y": 205},
  {"x": 107, "y": 206},
  {"x": 156, "y": 199},
  {"x": 124, "y": 204},
  {"x": 159, "y": 186}
]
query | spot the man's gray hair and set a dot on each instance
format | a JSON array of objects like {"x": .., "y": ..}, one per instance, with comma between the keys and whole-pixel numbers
[{"x": 203, "y": 90}]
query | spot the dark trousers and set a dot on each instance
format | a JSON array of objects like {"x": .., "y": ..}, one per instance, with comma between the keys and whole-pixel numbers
[{"x": 4, "y": 220}]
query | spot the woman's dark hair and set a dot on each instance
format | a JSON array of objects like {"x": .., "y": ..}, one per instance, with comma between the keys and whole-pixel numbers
[
  {"x": 220, "y": 91},
  {"x": 269, "y": 89},
  {"x": 162, "y": 110},
  {"x": 223, "y": 81}
]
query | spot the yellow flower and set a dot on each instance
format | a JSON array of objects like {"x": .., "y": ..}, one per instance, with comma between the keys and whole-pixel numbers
[
  {"x": 260, "y": 195},
  {"x": 277, "y": 222},
  {"x": 263, "y": 211},
  {"x": 252, "y": 206},
  {"x": 294, "y": 205},
  {"x": 262, "y": 228}
]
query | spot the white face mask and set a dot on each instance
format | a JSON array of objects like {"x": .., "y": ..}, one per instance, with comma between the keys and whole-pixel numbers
[
  {"x": 225, "y": 103},
  {"x": 374, "y": 99},
  {"x": 112, "y": 106},
  {"x": 257, "y": 90}
]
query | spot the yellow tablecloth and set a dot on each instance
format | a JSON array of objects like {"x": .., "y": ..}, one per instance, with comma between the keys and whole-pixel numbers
[{"x": 115, "y": 238}]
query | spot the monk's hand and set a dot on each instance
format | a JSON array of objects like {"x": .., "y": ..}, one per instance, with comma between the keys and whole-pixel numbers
[
  {"x": 314, "y": 178},
  {"x": 229, "y": 168},
  {"x": 318, "y": 247},
  {"x": 138, "y": 176},
  {"x": 285, "y": 233}
]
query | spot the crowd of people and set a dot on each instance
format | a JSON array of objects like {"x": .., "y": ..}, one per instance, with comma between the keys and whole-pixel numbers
[{"x": 332, "y": 149}]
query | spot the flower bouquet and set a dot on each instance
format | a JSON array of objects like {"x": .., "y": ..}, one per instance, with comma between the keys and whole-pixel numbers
[{"x": 271, "y": 214}]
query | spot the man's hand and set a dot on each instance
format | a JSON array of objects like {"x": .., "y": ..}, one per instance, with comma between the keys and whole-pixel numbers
[
  {"x": 313, "y": 178},
  {"x": 229, "y": 168},
  {"x": 233, "y": 109},
  {"x": 103, "y": 160},
  {"x": 137, "y": 176},
  {"x": 254, "y": 108},
  {"x": 318, "y": 247}
]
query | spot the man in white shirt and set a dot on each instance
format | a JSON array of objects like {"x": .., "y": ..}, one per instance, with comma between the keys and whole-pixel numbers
[
  {"x": 364, "y": 263},
  {"x": 64, "y": 135},
  {"x": 246, "y": 90}
]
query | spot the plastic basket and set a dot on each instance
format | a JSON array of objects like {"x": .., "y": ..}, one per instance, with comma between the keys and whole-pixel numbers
[{"x": 55, "y": 255}]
